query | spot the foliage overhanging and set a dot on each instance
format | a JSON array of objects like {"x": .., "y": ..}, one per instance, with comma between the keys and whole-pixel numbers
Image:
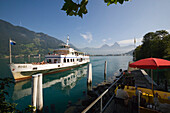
[{"x": 79, "y": 8}]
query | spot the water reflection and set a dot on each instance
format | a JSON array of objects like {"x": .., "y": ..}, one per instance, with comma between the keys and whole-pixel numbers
[{"x": 66, "y": 80}]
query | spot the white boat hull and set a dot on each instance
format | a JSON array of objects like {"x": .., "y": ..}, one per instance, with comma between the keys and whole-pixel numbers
[{"x": 24, "y": 71}]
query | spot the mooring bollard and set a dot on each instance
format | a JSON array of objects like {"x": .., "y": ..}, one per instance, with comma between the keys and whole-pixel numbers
[
  {"x": 89, "y": 77},
  {"x": 39, "y": 93},
  {"x": 105, "y": 70},
  {"x": 89, "y": 86},
  {"x": 34, "y": 90}
]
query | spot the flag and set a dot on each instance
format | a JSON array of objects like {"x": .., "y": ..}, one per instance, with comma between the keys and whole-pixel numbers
[{"x": 12, "y": 42}]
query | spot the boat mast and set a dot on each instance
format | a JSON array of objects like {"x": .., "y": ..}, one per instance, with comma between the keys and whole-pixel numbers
[{"x": 10, "y": 56}]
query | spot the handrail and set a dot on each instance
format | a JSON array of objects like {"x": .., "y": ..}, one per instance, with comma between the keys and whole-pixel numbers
[{"x": 100, "y": 97}]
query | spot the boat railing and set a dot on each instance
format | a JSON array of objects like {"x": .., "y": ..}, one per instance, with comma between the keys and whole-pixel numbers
[{"x": 101, "y": 100}]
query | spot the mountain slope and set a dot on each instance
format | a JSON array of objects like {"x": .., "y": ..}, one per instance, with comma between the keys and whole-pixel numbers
[{"x": 27, "y": 42}]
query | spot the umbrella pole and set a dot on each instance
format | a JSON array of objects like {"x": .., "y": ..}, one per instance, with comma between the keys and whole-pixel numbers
[{"x": 152, "y": 80}]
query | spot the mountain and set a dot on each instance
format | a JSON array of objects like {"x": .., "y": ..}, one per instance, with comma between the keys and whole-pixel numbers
[
  {"x": 27, "y": 42},
  {"x": 130, "y": 53},
  {"x": 115, "y": 45},
  {"x": 106, "y": 49},
  {"x": 105, "y": 46}
]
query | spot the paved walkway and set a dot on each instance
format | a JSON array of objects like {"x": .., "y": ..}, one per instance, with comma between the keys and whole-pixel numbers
[
  {"x": 141, "y": 80},
  {"x": 120, "y": 108}
]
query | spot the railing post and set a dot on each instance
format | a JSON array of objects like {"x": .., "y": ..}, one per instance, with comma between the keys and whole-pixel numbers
[
  {"x": 100, "y": 99},
  {"x": 139, "y": 93},
  {"x": 101, "y": 105}
]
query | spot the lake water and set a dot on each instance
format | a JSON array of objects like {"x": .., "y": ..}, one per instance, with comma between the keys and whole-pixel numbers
[{"x": 61, "y": 88}]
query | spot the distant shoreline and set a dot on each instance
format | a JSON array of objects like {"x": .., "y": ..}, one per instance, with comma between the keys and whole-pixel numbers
[
  {"x": 6, "y": 57},
  {"x": 112, "y": 55}
]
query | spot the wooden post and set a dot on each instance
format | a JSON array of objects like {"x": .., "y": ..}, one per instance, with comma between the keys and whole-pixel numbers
[
  {"x": 89, "y": 87},
  {"x": 89, "y": 77},
  {"x": 39, "y": 93},
  {"x": 105, "y": 70},
  {"x": 34, "y": 90}
]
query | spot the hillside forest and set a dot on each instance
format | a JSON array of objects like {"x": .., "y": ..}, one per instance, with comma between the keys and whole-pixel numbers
[
  {"x": 27, "y": 42},
  {"x": 154, "y": 44}
]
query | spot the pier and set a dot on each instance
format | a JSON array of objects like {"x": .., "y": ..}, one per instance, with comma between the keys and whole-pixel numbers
[{"x": 106, "y": 102}]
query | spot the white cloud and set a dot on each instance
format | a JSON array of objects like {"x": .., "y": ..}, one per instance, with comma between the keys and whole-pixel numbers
[
  {"x": 109, "y": 38},
  {"x": 168, "y": 30},
  {"x": 130, "y": 41},
  {"x": 88, "y": 36},
  {"x": 104, "y": 40}
]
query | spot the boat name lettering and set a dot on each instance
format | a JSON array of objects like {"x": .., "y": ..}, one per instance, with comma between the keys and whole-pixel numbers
[{"x": 22, "y": 66}]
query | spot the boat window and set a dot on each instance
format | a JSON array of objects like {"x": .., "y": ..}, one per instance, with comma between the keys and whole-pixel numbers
[
  {"x": 68, "y": 78},
  {"x": 77, "y": 59},
  {"x": 67, "y": 60},
  {"x": 48, "y": 60},
  {"x": 65, "y": 81},
  {"x": 58, "y": 60},
  {"x": 58, "y": 65},
  {"x": 55, "y": 60},
  {"x": 71, "y": 60},
  {"x": 35, "y": 68},
  {"x": 64, "y": 60}
]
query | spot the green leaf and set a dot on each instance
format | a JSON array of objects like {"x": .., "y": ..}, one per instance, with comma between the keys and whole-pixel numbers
[
  {"x": 115, "y": 1},
  {"x": 108, "y": 3},
  {"x": 121, "y": 1},
  {"x": 72, "y": 8}
]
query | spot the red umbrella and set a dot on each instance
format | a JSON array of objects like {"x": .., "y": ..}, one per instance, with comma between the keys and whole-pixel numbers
[{"x": 151, "y": 63}]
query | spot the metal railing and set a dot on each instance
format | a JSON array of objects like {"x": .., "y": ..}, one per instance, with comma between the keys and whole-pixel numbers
[{"x": 101, "y": 100}]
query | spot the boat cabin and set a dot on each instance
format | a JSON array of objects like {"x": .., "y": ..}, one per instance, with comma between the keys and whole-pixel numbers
[{"x": 66, "y": 55}]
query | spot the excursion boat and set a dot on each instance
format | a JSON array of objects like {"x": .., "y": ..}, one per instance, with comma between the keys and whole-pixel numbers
[{"x": 60, "y": 60}]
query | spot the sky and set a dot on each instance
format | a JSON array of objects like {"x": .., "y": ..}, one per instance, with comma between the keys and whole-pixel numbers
[{"x": 101, "y": 25}]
